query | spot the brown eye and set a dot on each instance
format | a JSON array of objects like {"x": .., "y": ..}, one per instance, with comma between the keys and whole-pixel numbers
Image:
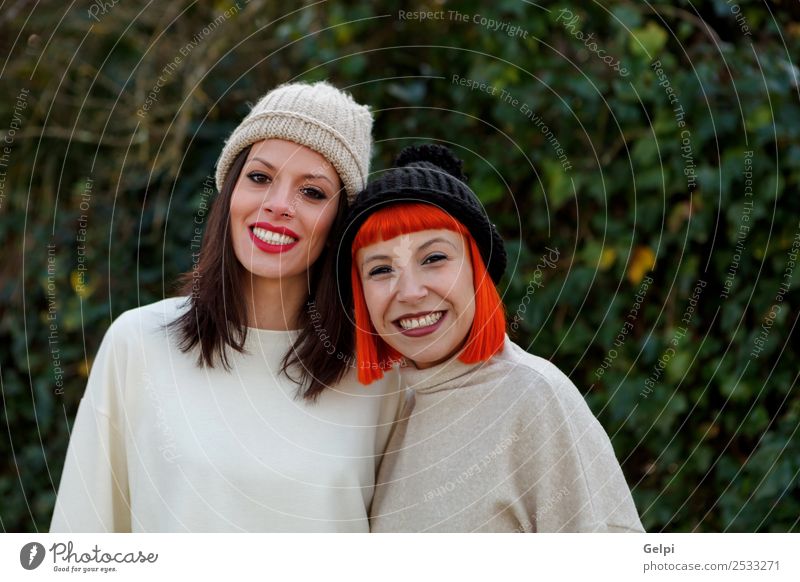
[
  {"x": 382, "y": 270},
  {"x": 434, "y": 258},
  {"x": 314, "y": 193},
  {"x": 259, "y": 177}
]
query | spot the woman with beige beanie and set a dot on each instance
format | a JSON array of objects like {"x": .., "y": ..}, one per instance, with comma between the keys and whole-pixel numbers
[{"x": 234, "y": 407}]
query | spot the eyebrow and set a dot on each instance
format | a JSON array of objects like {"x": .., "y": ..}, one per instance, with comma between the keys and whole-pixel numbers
[
  {"x": 435, "y": 240},
  {"x": 422, "y": 247},
  {"x": 372, "y": 258},
  {"x": 304, "y": 176}
]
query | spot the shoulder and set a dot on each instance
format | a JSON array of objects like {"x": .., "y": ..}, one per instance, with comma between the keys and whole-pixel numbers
[
  {"x": 525, "y": 362},
  {"x": 150, "y": 317},
  {"x": 535, "y": 372},
  {"x": 536, "y": 381},
  {"x": 145, "y": 323},
  {"x": 547, "y": 402},
  {"x": 134, "y": 339}
]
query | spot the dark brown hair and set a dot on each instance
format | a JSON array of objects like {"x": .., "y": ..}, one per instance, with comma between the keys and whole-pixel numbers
[{"x": 216, "y": 320}]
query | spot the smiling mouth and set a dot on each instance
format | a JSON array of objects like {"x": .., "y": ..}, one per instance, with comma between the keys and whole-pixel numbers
[
  {"x": 420, "y": 322},
  {"x": 272, "y": 238}
]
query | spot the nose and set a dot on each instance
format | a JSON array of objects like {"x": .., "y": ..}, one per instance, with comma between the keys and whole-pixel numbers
[
  {"x": 279, "y": 199},
  {"x": 410, "y": 287}
]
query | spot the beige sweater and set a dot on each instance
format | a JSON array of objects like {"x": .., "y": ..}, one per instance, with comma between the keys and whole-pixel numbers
[{"x": 504, "y": 446}]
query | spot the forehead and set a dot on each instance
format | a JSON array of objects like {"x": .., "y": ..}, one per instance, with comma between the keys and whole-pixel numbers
[
  {"x": 410, "y": 242},
  {"x": 288, "y": 154}
]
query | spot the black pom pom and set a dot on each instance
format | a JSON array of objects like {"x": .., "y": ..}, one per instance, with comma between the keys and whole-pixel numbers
[{"x": 435, "y": 154}]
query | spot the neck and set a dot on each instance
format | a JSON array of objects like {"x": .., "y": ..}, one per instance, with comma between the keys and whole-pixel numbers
[{"x": 275, "y": 304}]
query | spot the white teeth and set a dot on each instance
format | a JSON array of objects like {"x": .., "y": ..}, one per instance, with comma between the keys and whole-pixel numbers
[
  {"x": 272, "y": 238},
  {"x": 424, "y": 321}
]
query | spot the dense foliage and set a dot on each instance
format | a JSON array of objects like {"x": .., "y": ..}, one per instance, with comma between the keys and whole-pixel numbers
[{"x": 641, "y": 159}]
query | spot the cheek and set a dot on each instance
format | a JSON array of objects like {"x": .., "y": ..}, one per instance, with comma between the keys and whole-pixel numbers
[
  {"x": 469, "y": 310},
  {"x": 235, "y": 206},
  {"x": 465, "y": 295},
  {"x": 374, "y": 298},
  {"x": 319, "y": 223},
  {"x": 240, "y": 207},
  {"x": 235, "y": 219}
]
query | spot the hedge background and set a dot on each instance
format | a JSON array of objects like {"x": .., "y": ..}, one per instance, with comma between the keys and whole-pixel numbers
[{"x": 647, "y": 173}]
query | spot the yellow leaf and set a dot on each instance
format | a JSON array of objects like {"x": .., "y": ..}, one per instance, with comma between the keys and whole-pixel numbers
[
  {"x": 84, "y": 367},
  {"x": 642, "y": 261},
  {"x": 607, "y": 258},
  {"x": 80, "y": 285}
]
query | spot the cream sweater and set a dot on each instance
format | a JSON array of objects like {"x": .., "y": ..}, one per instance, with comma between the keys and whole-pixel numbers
[
  {"x": 504, "y": 446},
  {"x": 162, "y": 445}
]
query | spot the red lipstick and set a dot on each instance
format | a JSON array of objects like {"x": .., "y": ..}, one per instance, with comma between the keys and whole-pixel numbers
[
  {"x": 420, "y": 331},
  {"x": 269, "y": 247}
]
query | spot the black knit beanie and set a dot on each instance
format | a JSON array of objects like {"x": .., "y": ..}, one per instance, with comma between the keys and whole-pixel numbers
[{"x": 430, "y": 174}]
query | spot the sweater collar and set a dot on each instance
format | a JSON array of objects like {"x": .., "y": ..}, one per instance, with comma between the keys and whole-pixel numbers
[
  {"x": 257, "y": 337},
  {"x": 449, "y": 374},
  {"x": 440, "y": 377}
]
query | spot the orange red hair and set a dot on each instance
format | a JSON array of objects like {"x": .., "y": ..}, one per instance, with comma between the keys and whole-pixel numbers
[{"x": 486, "y": 336}]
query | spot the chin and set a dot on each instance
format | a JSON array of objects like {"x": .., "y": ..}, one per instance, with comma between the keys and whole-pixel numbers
[{"x": 274, "y": 268}]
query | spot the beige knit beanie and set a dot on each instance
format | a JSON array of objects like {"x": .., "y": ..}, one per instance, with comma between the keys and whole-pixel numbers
[{"x": 318, "y": 116}]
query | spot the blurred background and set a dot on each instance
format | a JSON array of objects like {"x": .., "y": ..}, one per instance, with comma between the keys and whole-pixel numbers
[{"x": 641, "y": 159}]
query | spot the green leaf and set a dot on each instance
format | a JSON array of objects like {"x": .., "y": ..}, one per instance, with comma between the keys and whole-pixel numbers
[
  {"x": 487, "y": 190},
  {"x": 627, "y": 15},
  {"x": 559, "y": 185},
  {"x": 647, "y": 41}
]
